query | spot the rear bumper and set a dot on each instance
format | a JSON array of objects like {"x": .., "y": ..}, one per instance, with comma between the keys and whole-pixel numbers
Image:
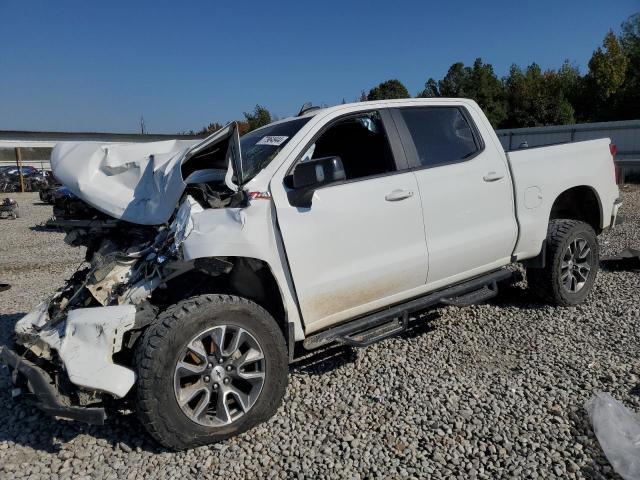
[{"x": 47, "y": 397}]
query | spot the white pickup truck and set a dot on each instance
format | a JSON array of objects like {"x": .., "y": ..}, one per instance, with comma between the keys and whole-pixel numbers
[{"x": 211, "y": 264}]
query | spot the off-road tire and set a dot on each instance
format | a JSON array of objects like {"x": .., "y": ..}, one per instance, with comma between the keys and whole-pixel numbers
[
  {"x": 545, "y": 283},
  {"x": 158, "y": 352}
]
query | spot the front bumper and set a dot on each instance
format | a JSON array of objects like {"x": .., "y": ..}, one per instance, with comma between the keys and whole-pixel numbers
[
  {"x": 47, "y": 397},
  {"x": 85, "y": 343}
]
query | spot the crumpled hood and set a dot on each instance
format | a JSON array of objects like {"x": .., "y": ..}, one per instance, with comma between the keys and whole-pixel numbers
[
  {"x": 136, "y": 182},
  {"x": 139, "y": 182}
]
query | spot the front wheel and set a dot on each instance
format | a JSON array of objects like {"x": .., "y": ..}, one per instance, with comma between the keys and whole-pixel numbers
[
  {"x": 571, "y": 264},
  {"x": 209, "y": 368}
]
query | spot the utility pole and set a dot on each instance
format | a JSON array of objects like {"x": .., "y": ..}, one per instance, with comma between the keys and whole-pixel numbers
[{"x": 19, "y": 165}]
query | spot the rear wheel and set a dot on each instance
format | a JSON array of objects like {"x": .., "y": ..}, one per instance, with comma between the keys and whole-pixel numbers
[
  {"x": 571, "y": 264},
  {"x": 209, "y": 368}
]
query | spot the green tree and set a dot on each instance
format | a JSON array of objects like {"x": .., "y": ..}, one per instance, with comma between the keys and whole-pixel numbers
[
  {"x": 627, "y": 99},
  {"x": 388, "y": 90},
  {"x": 569, "y": 76},
  {"x": 478, "y": 82},
  {"x": 485, "y": 88},
  {"x": 571, "y": 84},
  {"x": 608, "y": 66},
  {"x": 605, "y": 78},
  {"x": 455, "y": 81},
  {"x": 259, "y": 118},
  {"x": 430, "y": 89},
  {"x": 209, "y": 129},
  {"x": 630, "y": 36},
  {"x": 536, "y": 98}
]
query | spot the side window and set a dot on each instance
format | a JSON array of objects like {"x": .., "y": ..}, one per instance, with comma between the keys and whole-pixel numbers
[
  {"x": 441, "y": 135},
  {"x": 361, "y": 143}
]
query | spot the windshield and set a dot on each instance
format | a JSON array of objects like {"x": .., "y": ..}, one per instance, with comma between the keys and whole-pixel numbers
[{"x": 261, "y": 146}]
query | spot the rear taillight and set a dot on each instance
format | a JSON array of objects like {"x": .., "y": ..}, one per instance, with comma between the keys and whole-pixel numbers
[{"x": 616, "y": 169}]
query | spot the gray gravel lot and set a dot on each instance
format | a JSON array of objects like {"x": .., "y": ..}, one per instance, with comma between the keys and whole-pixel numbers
[{"x": 493, "y": 391}]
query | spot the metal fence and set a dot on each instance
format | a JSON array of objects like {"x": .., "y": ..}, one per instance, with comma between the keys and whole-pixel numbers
[{"x": 624, "y": 134}]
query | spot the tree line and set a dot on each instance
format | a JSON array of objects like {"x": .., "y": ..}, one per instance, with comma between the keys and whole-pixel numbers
[
  {"x": 252, "y": 120},
  {"x": 529, "y": 97}
]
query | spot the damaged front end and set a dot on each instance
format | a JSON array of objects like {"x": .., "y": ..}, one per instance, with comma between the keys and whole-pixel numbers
[
  {"x": 73, "y": 354},
  {"x": 74, "y": 351}
]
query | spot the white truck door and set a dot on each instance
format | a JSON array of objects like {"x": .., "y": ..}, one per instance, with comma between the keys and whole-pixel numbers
[
  {"x": 465, "y": 189},
  {"x": 361, "y": 243}
]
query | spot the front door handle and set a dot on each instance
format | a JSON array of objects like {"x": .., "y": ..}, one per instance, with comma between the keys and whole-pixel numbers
[
  {"x": 492, "y": 177},
  {"x": 398, "y": 195}
]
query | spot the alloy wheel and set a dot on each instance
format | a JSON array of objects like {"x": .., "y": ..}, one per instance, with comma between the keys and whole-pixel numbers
[
  {"x": 219, "y": 375},
  {"x": 576, "y": 265}
]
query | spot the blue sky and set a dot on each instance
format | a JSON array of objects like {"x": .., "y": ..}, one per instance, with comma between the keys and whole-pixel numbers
[{"x": 96, "y": 66}]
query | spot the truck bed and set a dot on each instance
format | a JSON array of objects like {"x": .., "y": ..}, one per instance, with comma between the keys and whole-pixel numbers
[{"x": 541, "y": 174}]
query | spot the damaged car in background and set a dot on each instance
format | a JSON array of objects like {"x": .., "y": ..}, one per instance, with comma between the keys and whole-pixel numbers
[
  {"x": 210, "y": 264},
  {"x": 26, "y": 178}
]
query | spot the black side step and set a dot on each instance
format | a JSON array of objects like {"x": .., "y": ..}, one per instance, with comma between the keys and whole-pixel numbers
[
  {"x": 375, "y": 334},
  {"x": 474, "y": 297},
  {"x": 376, "y": 326}
]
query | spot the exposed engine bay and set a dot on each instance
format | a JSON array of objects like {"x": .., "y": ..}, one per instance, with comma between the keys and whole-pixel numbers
[
  {"x": 93, "y": 321},
  {"x": 84, "y": 334},
  {"x": 126, "y": 262}
]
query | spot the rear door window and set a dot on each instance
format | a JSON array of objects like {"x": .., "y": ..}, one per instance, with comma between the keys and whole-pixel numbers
[{"x": 441, "y": 135}]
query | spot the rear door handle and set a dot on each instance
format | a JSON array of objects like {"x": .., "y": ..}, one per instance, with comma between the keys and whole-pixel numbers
[
  {"x": 492, "y": 177},
  {"x": 396, "y": 195}
]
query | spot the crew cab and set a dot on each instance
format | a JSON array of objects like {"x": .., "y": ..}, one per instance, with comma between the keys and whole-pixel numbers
[{"x": 211, "y": 263}]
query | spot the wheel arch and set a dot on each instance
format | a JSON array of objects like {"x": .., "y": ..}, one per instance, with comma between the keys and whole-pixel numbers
[
  {"x": 247, "y": 277},
  {"x": 580, "y": 202}
]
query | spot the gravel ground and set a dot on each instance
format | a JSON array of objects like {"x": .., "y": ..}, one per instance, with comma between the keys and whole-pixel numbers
[{"x": 493, "y": 391}]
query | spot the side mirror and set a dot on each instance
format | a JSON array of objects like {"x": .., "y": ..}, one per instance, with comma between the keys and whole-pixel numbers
[{"x": 309, "y": 176}]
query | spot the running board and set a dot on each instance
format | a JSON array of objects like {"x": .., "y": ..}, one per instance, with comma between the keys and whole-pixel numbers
[
  {"x": 392, "y": 320},
  {"x": 473, "y": 298},
  {"x": 375, "y": 334}
]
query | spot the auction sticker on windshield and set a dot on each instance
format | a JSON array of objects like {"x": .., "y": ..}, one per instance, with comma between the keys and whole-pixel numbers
[{"x": 274, "y": 140}]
